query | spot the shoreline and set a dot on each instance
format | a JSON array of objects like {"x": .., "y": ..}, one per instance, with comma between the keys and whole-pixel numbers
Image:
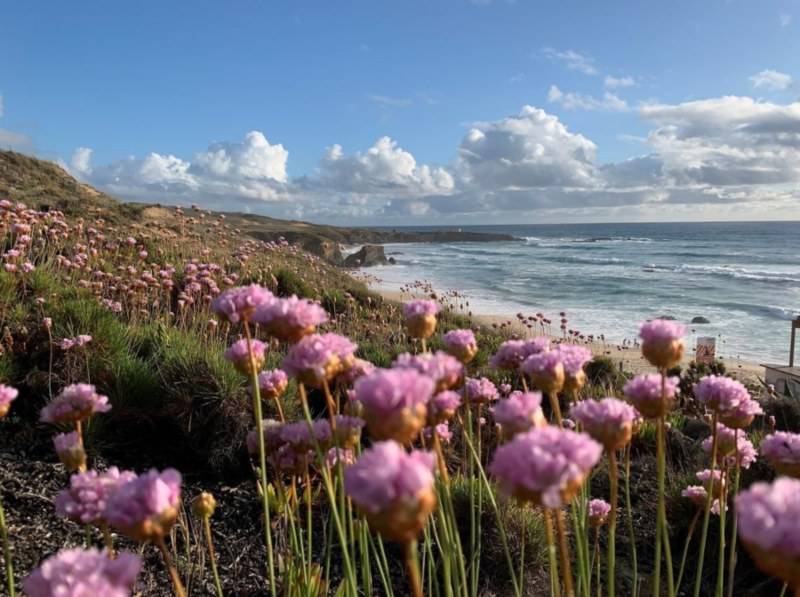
[{"x": 629, "y": 358}]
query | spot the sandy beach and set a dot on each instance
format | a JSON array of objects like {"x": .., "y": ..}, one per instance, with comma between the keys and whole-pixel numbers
[{"x": 629, "y": 358}]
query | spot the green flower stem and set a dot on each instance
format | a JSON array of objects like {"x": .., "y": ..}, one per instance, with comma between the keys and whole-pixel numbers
[
  {"x": 555, "y": 585},
  {"x": 734, "y": 525},
  {"x": 689, "y": 535},
  {"x": 698, "y": 578},
  {"x": 6, "y": 552},
  {"x": 612, "y": 523},
  {"x": 212, "y": 555},
  {"x": 663, "y": 535},
  {"x": 723, "y": 510},
  {"x": 180, "y": 591},
  {"x": 412, "y": 568},
  {"x": 629, "y": 517},
  {"x": 262, "y": 459},
  {"x": 563, "y": 544}
]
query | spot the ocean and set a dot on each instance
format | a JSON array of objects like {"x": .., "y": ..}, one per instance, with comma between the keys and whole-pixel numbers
[{"x": 744, "y": 277}]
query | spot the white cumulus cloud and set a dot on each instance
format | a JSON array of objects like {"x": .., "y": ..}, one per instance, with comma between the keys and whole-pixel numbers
[
  {"x": 579, "y": 101},
  {"x": 771, "y": 80},
  {"x": 614, "y": 82},
  {"x": 572, "y": 60}
]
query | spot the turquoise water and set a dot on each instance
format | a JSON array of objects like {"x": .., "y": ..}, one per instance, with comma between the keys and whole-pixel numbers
[{"x": 743, "y": 277}]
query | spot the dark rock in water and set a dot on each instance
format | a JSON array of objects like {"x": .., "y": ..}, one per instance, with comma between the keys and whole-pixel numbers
[
  {"x": 700, "y": 320},
  {"x": 367, "y": 256},
  {"x": 392, "y": 260}
]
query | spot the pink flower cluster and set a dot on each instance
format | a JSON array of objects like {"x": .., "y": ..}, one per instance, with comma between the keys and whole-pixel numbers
[
  {"x": 645, "y": 393},
  {"x": 574, "y": 358},
  {"x": 387, "y": 391},
  {"x": 662, "y": 331},
  {"x": 273, "y": 383},
  {"x": 76, "y": 342},
  {"x": 290, "y": 318},
  {"x": 720, "y": 393},
  {"x": 512, "y": 353},
  {"x": 7, "y": 396},
  {"x": 84, "y": 572},
  {"x": 77, "y": 402},
  {"x": 480, "y": 390},
  {"x": 319, "y": 357},
  {"x": 239, "y": 304},
  {"x": 459, "y": 341},
  {"x": 145, "y": 501},
  {"x": 545, "y": 465},
  {"x": 420, "y": 307},
  {"x": 769, "y": 516},
  {"x": 443, "y": 369},
  {"x": 84, "y": 501},
  {"x": 386, "y": 474},
  {"x": 519, "y": 412},
  {"x": 609, "y": 421}
]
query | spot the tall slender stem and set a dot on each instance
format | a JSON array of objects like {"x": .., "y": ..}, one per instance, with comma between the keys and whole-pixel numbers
[
  {"x": 686, "y": 544},
  {"x": 212, "y": 555},
  {"x": 566, "y": 567},
  {"x": 173, "y": 572},
  {"x": 109, "y": 541},
  {"x": 612, "y": 523},
  {"x": 412, "y": 568},
  {"x": 555, "y": 585},
  {"x": 723, "y": 509},
  {"x": 732, "y": 556},
  {"x": 6, "y": 552},
  {"x": 629, "y": 516},
  {"x": 262, "y": 461},
  {"x": 698, "y": 578},
  {"x": 556, "y": 407}
]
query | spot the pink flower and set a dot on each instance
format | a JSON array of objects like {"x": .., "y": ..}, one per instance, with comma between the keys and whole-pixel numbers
[
  {"x": 480, "y": 391},
  {"x": 741, "y": 415},
  {"x": 645, "y": 393},
  {"x": 443, "y": 406},
  {"x": 598, "y": 512},
  {"x": 662, "y": 342},
  {"x": 546, "y": 465},
  {"x": 394, "y": 402},
  {"x": 510, "y": 354},
  {"x": 720, "y": 393},
  {"x": 519, "y": 413},
  {"x": 239, "y": 304},
  {"x": 272, "y": 384},
  {"x": 545, "y": 370},
  {"x": 319, "y": 358},
  {"x": 70, "y": 450},
  {"x": 291, "y": 318},
  {"x": 782, "y": 450},
  {"x": 145, "y": 507},
  {"x": 85, "y": 499},
  {"x": 443, "y": 369},
  {"x": 420, "y": 307},
  {"x": 336, "y": 455},
  {"x": 77, "y": 402},
  {"x": 84, "y": 572},
  {"x": 239, "y": 356},
  {"x": 442, "y": 430},
  {"x": 393, "y": 488},
  {"x": 609, "y": 421},
  {"x": 461, "y": 344},
  {"x": 7, "y": 396},
  {"x": 359, "y": 368},
  {"x": 574, "y": 358},
  {"x": 662, "y": 330}
]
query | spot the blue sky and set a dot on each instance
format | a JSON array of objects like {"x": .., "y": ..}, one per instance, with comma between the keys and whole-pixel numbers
[{"x": 585, "y": 110}]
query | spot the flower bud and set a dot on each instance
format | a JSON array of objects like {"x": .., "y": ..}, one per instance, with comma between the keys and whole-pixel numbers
[
  {"x": 70, "y": 451},
  {"x": 204, "y": 505}
]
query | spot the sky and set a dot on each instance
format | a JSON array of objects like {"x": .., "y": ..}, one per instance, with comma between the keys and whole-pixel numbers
[{"x": 416, "y": 112}]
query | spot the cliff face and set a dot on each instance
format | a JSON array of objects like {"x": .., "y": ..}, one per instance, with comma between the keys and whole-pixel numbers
[{"x": 46, "y": 185}]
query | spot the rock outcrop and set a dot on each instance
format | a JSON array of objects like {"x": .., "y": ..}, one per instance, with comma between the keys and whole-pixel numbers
[
  {"x": 700, "y": 320},
  {"x": 367, "y": 256}
]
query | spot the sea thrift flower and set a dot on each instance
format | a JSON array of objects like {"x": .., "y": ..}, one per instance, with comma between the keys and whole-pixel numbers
[
  {"x": 443, "y": 406},
  {"x": 239, "y": 356},
  {"x": 299, "y": 436},
  {"x": 518, "y": 413},
  {"x": 348, "y": 430},
  {"x": 545, "y": 466},
  {"x": 726, "y": 441},
  {"x": 574, "y": 359},
  {"x": 741, "y": 415},
  {"x": 272, "y": 384},
  {"x": 317, "y": 359},
  {"x": 545, "y": 370},
  {"x": 84, "y": 572},
  {"x": 70, "y": 450},
  {"x": 719, "y": 393},
  {"x": 146, "y": 507},
  {"x": 393, "y": 488},
  {"x": 239, "y": 304},
  {"x": 662, "y": 342},
  {"x": 359, "y": 368},
  {"x": 394, "y": 403},
  {"x": 609, "y": 421},
  {"x": 420, "y": 316},
  {"x": 204, "y": 505},
  {"x": 461, "y": 344},
  {"x": 696, "y": 494},
  {"x": 445, "y": 371},
  {"x": 647, "y": 395},
  {"x": 272, "y": 433},
  {"x": 75, "y": 403},
  {"x": 7, "y": 396},
  {"x": 782, "y": 450},
  {"x": 84, "y": 501},
  {"x": 442, "y": 431},
  {"x": 480, "y": 391},
  {"x": 769, "y": 526},
  {"x": 512, "y": 353},
  {"x": 745, "y": 453},
  {"x": 598, "y": 512},
  {"x": 336, "y": 455},
  {"x": 289, "y": 319},
  {"x": 712, "y": 481}
]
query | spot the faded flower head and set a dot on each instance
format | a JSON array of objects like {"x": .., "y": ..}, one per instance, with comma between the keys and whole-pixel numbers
[
  {"x": 394, "y": 402},
  {"x": 519, "y": 413},
  {"x": 146, "y": 507},
  {"x": 84, "y": 501},
  {"x": 83, "y": 573},
  {"x": 393, "y": 488},
  {"x": 645, "y": 392},
  {"x": 77, "y": 402},
  {"x": 609, "y": 421},
  {"x": 545, "y": 466}
]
